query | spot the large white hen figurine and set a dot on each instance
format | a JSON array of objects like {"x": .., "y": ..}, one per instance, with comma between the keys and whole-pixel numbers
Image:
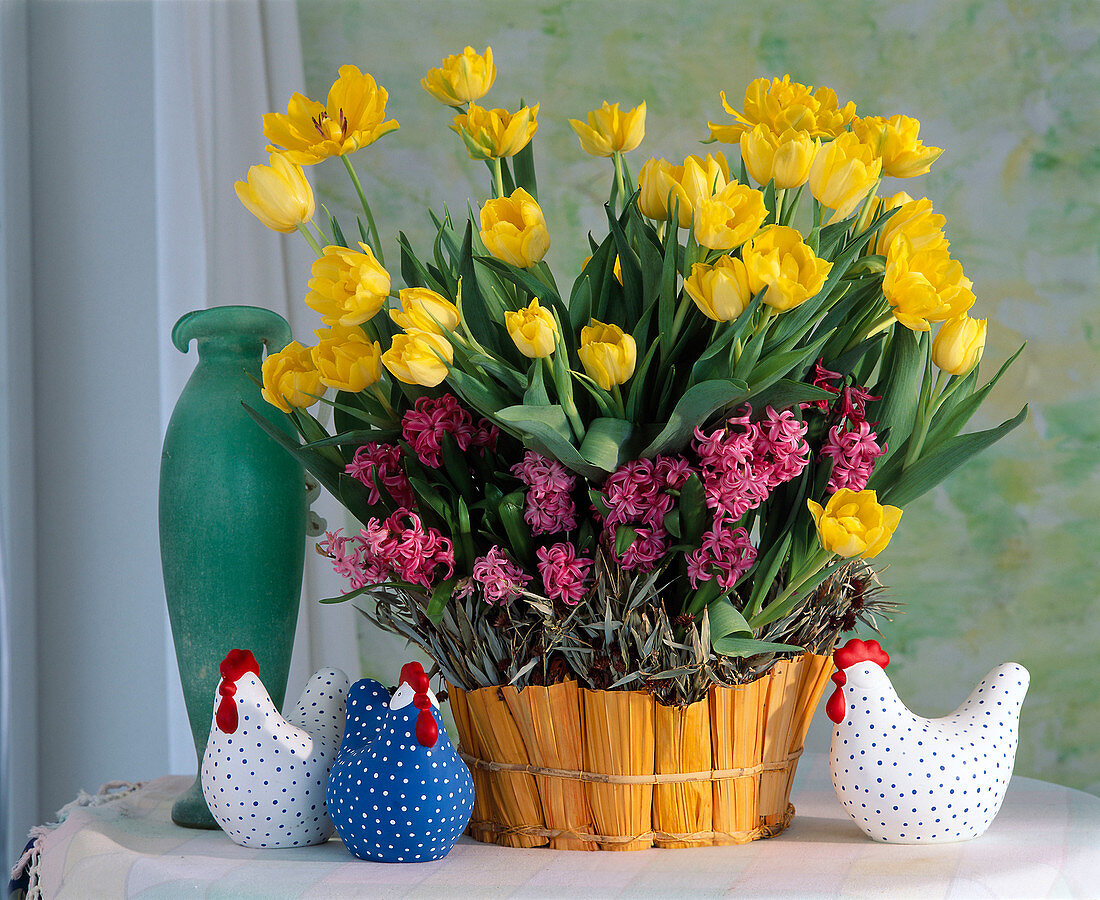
[
  {"x": 263, "y": 775},
  {"x": 908, "y": 780}
]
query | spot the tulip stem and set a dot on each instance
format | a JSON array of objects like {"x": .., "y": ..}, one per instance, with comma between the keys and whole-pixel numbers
[
  {"x": 617, "y": 393},
  {"x": 498, "y": 177},
  {"x": 620, "y": 185},
  {"x": 310, "y": 239},
  {"x": 380, "y": 396},
  {"x": 779, "y": 607},
  {"x": 366, "y": 209}
]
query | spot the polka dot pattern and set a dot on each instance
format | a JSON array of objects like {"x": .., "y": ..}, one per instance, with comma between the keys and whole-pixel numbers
[
  {"x": 908, "y": 780},
  {"x": 265, "y": 783},
  {"x": 391, "y": 799}
]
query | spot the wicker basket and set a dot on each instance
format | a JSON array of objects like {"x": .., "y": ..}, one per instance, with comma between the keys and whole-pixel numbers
[{"x": 613, "y": 770}]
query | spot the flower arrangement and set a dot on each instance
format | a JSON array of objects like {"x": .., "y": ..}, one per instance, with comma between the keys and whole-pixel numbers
[{"x": 673, "y": 469}]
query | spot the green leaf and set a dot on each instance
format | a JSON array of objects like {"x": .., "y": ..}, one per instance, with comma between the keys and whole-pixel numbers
[
  {"x": 546, "y": 429},
  {"x": 786, "y": 393},
  {"x": 625, "y": 535},
  {"x": 725, "y": 620},
  {"x": 606, "y": 443},
  {"x": 932, "y": 468},
  {"x": 897, "y": 410},
  {"x": 524, "y": 165},
  {"x": 957, "y": 410},
  {"x": 694, "y": 408},
  {"x": 694, "y": 517},
  {"x": 437, "y": 603},
  {"x": 511, "y": 510},
  {"x": 764, "y": 572},
  {"x": 740, "y": 646}
]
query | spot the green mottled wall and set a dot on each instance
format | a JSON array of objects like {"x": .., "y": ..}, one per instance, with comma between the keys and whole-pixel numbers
[{"x": 997, "y": 563}]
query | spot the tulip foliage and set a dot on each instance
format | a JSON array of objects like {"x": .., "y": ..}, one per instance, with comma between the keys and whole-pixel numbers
[{"x": 669, "y": 466}]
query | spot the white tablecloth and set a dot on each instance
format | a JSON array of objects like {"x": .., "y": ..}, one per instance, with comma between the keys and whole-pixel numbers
[{"x": 1044, "y": 843}]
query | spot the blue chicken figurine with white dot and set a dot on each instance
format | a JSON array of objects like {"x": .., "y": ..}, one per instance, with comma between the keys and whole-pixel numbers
[{"x": 398, "y": 791}]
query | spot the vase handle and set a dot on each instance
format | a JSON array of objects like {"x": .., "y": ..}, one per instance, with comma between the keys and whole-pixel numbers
[{"x": 268, "y": 326}]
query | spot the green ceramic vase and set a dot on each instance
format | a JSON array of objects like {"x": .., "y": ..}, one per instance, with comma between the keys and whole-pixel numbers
[{"x": 232, "y": 520}]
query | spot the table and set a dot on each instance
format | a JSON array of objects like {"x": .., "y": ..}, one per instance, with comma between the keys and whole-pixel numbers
[{"x": 1045, "y": 842}]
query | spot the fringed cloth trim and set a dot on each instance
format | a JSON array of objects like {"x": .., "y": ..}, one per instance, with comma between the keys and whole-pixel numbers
[
  {"x": 604, "y": 778},
  {"x": 27, "y": 866},
  {"x": 702, "y": 837}
]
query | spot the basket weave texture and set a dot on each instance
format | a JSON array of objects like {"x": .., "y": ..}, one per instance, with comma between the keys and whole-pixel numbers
[{"x": 577, "y": 769}]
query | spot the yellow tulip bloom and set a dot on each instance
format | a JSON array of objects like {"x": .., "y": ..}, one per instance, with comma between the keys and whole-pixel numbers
[
  {"x": 842, "y": 174},
  {"x": 513, "y": 229},
  {"x": 419, "y": 357},
  {"x": 895, "y": 141},
  {"x": 914, "y": 219},
  {"x": 730, "y": 217},
  {"x": 779, "y": 261},
  {"x": 607, "y": 353},
  {"x": 781, "y": 104},
  {"x": 609, "y": 131},
  {"x": 654, "y": 182},
  {"x": 854, "y": 523},
  {"x": 697, "y": 179},
  {"x": 347, "y": 287},
  {"x": 353, "y": 117},
  {"x": 924, "y": 286},
  {"x": 290, "y": 378},
  {"x": 783, "y": 158},
  {"x": 346, "y": 360},
  {"x": 533, "y": 330},
  {"x": 958, "y": 346},
  {"x": 720, "y": 291},
  {"x": 463, "y": 77},
  {"x": 495, "y": 133},
  {"x": 277, "y": 194},
  {"x": 425, "y": 310}
]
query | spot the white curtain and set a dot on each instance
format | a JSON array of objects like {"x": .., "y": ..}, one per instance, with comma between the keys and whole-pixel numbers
[{"x": 219, "y": 67}]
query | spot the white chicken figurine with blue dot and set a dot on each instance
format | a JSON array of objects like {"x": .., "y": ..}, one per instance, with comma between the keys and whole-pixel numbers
[
  {"x": 398, "y": 791},
  {"x": 909, "y": 780},
  {"x": 263, "y": 775}
]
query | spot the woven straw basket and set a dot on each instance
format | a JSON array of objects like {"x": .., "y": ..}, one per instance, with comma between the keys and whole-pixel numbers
[{"x": 614, "y": 770}]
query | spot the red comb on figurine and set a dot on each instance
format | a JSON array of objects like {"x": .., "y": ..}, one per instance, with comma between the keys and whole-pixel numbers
[
  {"x": 855, "y": 651},
  {"x": 234, "y": 666},
  {"x": 427, "y": 731}
]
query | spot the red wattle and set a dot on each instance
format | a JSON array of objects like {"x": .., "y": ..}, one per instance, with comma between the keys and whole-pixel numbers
[
  {"x": 427, "y": 731},
  {"x": 834, "y": 708},
  {"x": 226, "y": 716}
]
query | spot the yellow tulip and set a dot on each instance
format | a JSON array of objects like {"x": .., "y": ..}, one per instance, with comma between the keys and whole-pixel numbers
[
  {"x": 654, "y": 182},
  {"x": 609, "y": 131},
  {"x": 607, "y": 354},
  {"x": 463, "y": 77},
  {"x": 277, "y": 194},
  {"x": 842, "y": 174},
  {"x": 353, "y": 117},
  {"x": 687, "y": 185},
  {"x": 914, "y": 219},
  {"x": 346, "y": 360},
  {"x": 425, "y": 310},
  {"x": 414, "y": 358},
  {"x": 780, "y": 261},
  {"x": 495, "y": 133},
  {"x": 347, "y": 287},
  {"x": 958, "y": 346},
  {"x": 730, "y": 217},
  {"x": 513, "y": 229},
  {"x": 533, "y": 330},
  {"x": 924, "y": 286},
  {"x": 783, "y": 158},
  {"x": 290, "y": 378},
  {"x": 781, "y": 104},
  {"x": 720, "y": 291},
  {"x": 895, "y": 141},
  {"x": 854, "y": 523}
]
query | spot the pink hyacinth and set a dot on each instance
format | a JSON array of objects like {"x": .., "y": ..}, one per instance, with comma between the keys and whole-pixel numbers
[
  {"x": 549, "y": 507},
  {"x": 649, "y": 546},
  {"x": 854, "y": 452},
  {"x": 424, "y": 425},
  {"x": 401, "y": 546},
  {"x": 725, "y": 555},
  {"x": 501, "y": 580},
  {"x": 780, "y": 449},
  {"x": 823, "y": 378},
  {"x": 564, "y": 574},
  {"x": 383, "y": 460}
]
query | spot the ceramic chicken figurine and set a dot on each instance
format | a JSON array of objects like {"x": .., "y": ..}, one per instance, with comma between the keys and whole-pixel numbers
[
  {"x": 263, "y": 775},
  {"x": 398, "y": 791},
  {"x": 908, "y": 780}
]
